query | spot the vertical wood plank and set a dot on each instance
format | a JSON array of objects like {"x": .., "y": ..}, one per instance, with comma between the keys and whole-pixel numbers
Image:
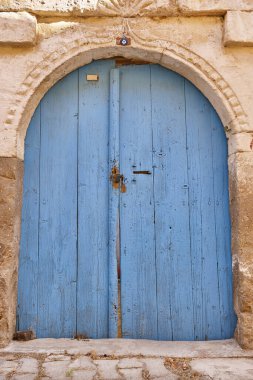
[
  {"x": 173, "y": 241},
  {"x": 138, "y": 266},
  {"x": 93, "y": 182},
  {"x": 203, "y": 231},
  {"x": 113, "y": 204},
  {"x": 223, "y": 226},
  {"x": 28, "y": 257},
  {"x": 58, "y": 211}
]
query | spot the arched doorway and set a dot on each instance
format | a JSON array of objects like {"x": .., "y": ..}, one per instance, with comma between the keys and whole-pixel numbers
[{"x": 126, "y": 162}]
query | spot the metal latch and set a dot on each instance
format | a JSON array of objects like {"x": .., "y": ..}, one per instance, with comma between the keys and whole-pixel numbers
[
  {"x": 142, "y": 172},
  {"x": 117, "y": 179}
]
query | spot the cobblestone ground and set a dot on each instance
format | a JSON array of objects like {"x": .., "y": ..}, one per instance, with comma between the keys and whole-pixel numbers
[
  {"x": 63, "y": 359},
  {"x": 66, "y": 367},
  {"x": 93, "y": 367}
]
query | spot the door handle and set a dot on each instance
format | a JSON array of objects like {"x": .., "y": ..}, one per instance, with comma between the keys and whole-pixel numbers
[{"x": 142, "y": 172}]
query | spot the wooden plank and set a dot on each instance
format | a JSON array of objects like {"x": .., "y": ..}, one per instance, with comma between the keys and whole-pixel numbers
[
  {"x": 28, "y": 257},
  {"x": 113, "y": 205},
  {"x": 93, "y": 182},
  {"x": 58, "y": 211},
  {"x": 203, "y": 243},
  {"x": 223, "y": 226},
  {"x": 173, "y": 245},
  {"x": 138, "y": 266}
]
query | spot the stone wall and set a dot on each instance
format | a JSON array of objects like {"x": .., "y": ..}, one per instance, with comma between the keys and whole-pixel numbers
[
  {"x": 11, "y": 175},
  {"x": 210, "y": 42}
]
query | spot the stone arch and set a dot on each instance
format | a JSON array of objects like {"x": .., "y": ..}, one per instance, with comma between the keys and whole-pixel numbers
[
  {"x": 80, "y": 51},
  {"x": 79, "y": 45}
]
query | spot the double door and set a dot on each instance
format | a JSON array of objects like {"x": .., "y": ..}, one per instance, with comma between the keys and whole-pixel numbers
[{"x": 125, "y": 220}]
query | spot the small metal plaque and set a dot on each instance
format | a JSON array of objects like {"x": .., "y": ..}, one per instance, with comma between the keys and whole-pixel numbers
[{"x": 92, "y": 77}]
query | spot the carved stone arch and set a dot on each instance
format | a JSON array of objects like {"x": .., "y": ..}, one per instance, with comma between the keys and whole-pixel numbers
[
  {"x": 64, "y": 46},
  {"x": 82, "y": 50},
  {"x": 76, "y": 46}
]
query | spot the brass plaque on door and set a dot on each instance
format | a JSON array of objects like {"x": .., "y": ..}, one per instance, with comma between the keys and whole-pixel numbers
[{"x": 92, "y": 77}]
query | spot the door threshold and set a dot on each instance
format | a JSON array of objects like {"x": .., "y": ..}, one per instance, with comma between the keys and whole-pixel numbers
[{"x": 130, "y": 347}]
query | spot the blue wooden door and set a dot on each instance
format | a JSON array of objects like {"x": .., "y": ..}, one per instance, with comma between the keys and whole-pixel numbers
[
  {"x": 63, "y": 272},
  {"x": 126, "y": 204},
  {"x": 176, "y": 277}
]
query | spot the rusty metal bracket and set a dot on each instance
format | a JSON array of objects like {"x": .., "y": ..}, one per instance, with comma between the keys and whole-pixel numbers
[{"x": 117, "y": 179}]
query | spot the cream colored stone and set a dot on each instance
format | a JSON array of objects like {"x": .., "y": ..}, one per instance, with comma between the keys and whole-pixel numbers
[
  {"x": 228, "y": 369},
  {"x": 11, "y": 174},
  {"x": 17, "y": 28},
  {"x": 191, "y": 46},
  {"x": 127, "y": 8},
  {"x": 238, "y": 29},
  {"x": 216, "y": 7},
  {"x": 241, "y": 200},
  {"x": 194, "y": 50},
  {"x": 135, "y": 348},
  {"x": 51, "y": 7},
  {"x": 240, "y": 142},
  {"x": 244, "y": 330},
  {"x": 107, "y": 369}
]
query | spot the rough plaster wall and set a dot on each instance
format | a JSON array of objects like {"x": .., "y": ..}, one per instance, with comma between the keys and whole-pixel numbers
[{"x": 193, "y": 46}]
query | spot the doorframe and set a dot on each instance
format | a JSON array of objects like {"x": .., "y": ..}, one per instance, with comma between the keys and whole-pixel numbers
[{"x": 75, "y": 53}]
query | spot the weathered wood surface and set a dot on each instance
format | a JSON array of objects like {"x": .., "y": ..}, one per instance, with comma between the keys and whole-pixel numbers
[
  {"x": 137, "y": 230},
  {"x": 172, "y": 220},
  {"x": 29, "y": 243},
  {"x": 173, "y": 250},
  {"x": 114, "y": 162},
  {"x": 93, "y": 193},
  {"x": 57, "y": 263}
]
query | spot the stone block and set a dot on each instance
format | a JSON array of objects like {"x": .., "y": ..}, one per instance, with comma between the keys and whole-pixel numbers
[
  {"x": 11, "y": 175},
  {"x": 157, "y": 370},
  {"x": 57, "y": 369},
  {"x": 107, "y": 369},
  {"x": 27, "y": 376},
  {"x": 56, "y": 358},
  {"x": 132, "y": 373},
  {"x": 130, "y": 363},
  {"x": 217, "y": 7},
  {"x": 83, "y": 362},
  {"x": 7, "y": 366},
  {"x": 238, "y": 29},
  {"x": 240, "y": 142},
  {"x": 28, "y": 365},
  {"x": 93, "y": 7},
  {"x": 17, "y": 28},
  {"x": 243, "y": 332},
  {"x": 127, "y": 8},
  {"x": 83, "y": 374},
  {"x": 51, "y": 7},
  {"x": 226, "y": 369}
]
